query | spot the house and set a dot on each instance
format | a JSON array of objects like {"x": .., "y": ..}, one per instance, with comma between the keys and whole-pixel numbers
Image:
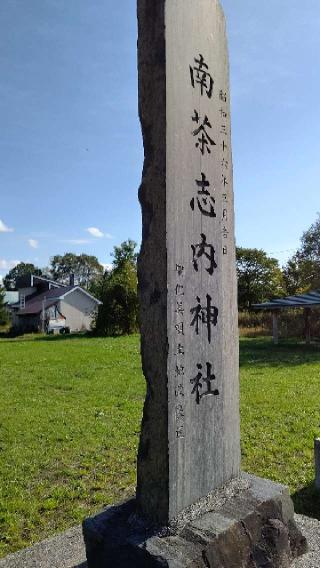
[{"x": 48, "y": 305}]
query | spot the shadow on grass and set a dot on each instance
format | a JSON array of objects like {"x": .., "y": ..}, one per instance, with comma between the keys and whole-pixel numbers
[
  {"x": 63, "y": 336},
  {"x": 5, "y": 337},
  {"x": 80, "y": 335},
  {"x": 262, "y": 351},
  {"x": 33, "y": 337},
  {"x": 307, "y": 501},
  {"x": 9, "y": 334}
]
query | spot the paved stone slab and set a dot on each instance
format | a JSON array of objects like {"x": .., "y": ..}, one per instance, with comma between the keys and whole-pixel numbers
[{"x": 63, "y": 551}]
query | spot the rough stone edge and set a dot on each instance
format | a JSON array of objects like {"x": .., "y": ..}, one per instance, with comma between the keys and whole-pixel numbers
[
  {"x": 248, "y": 523},
  {"x": 50, "y": 553},
  {"x": 153, "y": 460}
]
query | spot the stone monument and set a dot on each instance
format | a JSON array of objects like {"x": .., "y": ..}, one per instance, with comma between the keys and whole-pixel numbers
[
  {"x": 192, "y": 507},
  {"x": 187, "y": 262}
]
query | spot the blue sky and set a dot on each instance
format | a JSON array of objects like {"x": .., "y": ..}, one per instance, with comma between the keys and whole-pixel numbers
[{"x": 71, "y": 151}]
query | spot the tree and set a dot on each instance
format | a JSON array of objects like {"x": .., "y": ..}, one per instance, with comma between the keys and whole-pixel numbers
[
  {"x": 302, "y": 271},
  {"x": 21, "y": 269},
  {"x": 85, "y": 268},
  {"x": 259, "y": 277},
  {"x": 118, "y": 314},
  {"x": 125, "y": 253},
  {"x": 3, "y": 311}
]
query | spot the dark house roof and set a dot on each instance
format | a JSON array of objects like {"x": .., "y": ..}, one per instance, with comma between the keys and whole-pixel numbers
[
  {"x": 300, "y": 301},
  {"x": 29, "y": 280}
]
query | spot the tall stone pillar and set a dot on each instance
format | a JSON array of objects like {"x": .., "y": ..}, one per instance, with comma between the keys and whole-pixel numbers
[{"x": 190, "y": 441}]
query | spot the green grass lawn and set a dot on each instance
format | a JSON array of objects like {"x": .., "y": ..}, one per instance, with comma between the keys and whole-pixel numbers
[{"x": 70, "y": 411}]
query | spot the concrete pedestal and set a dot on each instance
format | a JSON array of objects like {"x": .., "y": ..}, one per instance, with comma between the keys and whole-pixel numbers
[{"x": 247, "y": 524}]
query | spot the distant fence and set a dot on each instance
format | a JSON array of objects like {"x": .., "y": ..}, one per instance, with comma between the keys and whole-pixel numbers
[{"x": 291, "y": 323}]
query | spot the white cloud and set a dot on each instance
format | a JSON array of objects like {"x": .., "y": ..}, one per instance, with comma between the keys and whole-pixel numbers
[
  {"x": 95, "y": 232},
  {"x": 33, "y": 243},
  {"x": 77, "y": 241},
  {"x": 4, "y": 228},
  {"x": 8, "y": 264}
]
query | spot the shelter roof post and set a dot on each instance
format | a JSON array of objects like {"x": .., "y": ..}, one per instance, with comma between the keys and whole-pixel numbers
[
  {"x": 275, "y": 331},
  {"x": 307, "y": 326}
]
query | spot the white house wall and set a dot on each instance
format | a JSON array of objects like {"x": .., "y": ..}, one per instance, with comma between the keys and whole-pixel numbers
[{"x": 78, "y": 310}]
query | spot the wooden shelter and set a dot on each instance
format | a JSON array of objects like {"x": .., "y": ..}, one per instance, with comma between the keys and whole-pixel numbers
[{"x": 304, "y": 301}]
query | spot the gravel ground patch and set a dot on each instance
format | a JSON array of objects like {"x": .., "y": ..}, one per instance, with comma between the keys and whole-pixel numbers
[{"x": 311, "y": 530}]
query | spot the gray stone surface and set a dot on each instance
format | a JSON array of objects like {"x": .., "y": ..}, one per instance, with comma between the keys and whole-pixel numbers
[
  {"x": 63, "y": 551},
  {"x": 311, "y": 530},
  {"x": 247, "y": 524},
  {"x": 190, "y": 432}
]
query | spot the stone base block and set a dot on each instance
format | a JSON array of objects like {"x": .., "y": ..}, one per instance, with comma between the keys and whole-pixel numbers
[{"x": 247, "y": 524}]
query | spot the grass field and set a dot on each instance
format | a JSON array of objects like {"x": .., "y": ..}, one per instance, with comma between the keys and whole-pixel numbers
[{"x": 70, "y": 411}]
